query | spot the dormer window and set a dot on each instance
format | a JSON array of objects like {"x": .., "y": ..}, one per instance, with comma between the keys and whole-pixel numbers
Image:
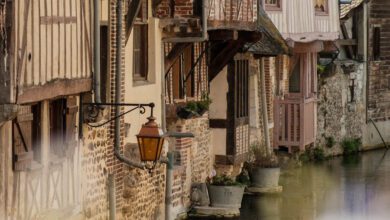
[
  {"x": 321, "y": 7},
  {"x": 273, "y": 5}
]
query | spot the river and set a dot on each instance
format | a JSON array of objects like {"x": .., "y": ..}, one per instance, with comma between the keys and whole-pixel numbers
[{"x": 355, "y": 188}]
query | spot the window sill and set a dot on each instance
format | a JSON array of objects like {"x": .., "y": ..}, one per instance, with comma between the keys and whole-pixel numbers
[
  {"x": 322, "y": 14},
  {"x": 142, "y": 83}
]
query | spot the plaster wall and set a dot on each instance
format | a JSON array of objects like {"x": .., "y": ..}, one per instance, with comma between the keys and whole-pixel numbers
[
  {"x": 218, "y": 93},
  {"x": 144, "y": 91}
]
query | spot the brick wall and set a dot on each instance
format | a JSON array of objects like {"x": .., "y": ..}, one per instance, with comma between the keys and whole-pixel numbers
[
  {"x": 182, "y": 8},
  {"x": 378, "y": 102},
  {"x": 194, "y": 162}
]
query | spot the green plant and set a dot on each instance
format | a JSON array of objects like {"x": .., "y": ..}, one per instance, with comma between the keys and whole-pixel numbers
[
  {"x": 321, "y": 68},
  {"x": 351, "y": 145},
  {"x": 260, "y": 159},
  {"x": 204, "y": 103},
  {"x": 192, "y": 106},
  {"x": 223, "y": 180},
  {"x": 318, "y": 154},
  {"x": 329, "y": 142},
  {"x": 312, "y": 154}
]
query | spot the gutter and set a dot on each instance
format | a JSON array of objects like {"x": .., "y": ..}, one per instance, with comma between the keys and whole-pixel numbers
[{"x": 204, "y": 36}]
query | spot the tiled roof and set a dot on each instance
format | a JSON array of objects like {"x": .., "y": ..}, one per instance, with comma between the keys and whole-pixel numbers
[
  {"x": 272, "y": 42},
  {"x": 346, "y": 8}
]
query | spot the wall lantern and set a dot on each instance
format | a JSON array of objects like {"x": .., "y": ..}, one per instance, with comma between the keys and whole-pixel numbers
[{"x": 150, "y": 141}]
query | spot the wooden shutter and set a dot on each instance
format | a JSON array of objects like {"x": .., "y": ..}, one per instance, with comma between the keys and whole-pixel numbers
[
  {"x": 22, "y": 139},
  {"x": 71, "y": 127},
  {"x": 376, "y": 43}
]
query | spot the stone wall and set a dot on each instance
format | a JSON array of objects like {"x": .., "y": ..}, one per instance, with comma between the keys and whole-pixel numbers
[
  {"x": 94, "y": 169},
  {"x": 339, "y": 116}
]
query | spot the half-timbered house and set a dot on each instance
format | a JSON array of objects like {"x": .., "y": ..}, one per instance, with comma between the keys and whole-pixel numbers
[
  {"x": 307, "y": 25},
  {"x": 46, "y": 53}
]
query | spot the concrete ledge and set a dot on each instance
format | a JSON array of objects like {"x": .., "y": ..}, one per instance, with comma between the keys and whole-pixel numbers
[
  {"x": 207, "y": 211},
  {"x": 263, "y": 190}
]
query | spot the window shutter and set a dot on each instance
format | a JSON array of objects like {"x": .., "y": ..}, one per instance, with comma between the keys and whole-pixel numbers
[
  {"x": 71, "y": 128},
  {"x": 22, "y": 139},
  {"x": 376, "y": 43}
]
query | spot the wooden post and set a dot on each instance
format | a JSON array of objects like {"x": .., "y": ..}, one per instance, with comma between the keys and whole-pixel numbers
[
  {"x": 45, "y": 149},
  {"x": 264, "y": 108}
]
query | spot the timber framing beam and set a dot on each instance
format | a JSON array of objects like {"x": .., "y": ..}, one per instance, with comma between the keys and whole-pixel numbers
[
  {"x": 220, "y": 58},
  {"x": 54, "y": 89},
  {"x": 173, "y": 55}
]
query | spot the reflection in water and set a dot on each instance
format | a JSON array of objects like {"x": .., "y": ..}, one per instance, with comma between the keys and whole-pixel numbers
[{"x": 354, "y": 188}]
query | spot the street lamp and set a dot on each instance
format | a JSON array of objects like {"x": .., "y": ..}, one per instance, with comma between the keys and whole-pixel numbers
[{"x": 150, "y": 141}]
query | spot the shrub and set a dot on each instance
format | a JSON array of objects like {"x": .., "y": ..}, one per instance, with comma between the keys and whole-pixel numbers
[
  {"x": 261, "y": 159},
  {"x": 223, "y": 180},
  {"x": 351, "y": 145},
  {"x": 318, "y": 154},
  {"x": 312, "y": 154},
  {"x": 329, "y": 142}
]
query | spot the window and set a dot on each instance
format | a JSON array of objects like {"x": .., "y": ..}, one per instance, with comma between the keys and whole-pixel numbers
[
  {"x": 321, "y": 7},
  {"x": 242, "y": 88},
  {"x": 183, "y": 87},
  {"x": 273, "y": 5},
  {"x": 57, "y": 126},
  {"x": 140, "y": 44},
  {"x": 104, "y": 62},
  {"x": 63, "y": 114},
  {"x": 26, "y": 137},
  {"x": 295, "y": 76}
]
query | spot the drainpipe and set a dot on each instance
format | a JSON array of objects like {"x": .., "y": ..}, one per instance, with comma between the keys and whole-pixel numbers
[
  {"x": 169, "y": 184},
  {"x": 204, "y": 36},
  {"x": 96, "y": 58},
  {"x": 117, "y": 127},
  {"x": 118, "y": 78}
]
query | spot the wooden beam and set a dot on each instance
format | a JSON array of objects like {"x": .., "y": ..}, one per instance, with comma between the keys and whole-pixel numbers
[
  {"x": 174, "y": 55},
  {"x": 220, "y": 60},
  {"x": 54, "y": 89},
  {"x": 132, "y": 12},
  {"x": 347, "y": 42},
  {"x": 217, "y": 35}
]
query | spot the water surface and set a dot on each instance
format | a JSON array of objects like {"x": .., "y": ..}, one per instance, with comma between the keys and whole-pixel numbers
[{"x": 350, "y": 188}]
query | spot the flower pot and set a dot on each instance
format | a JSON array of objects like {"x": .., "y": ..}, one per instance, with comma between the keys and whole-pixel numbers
[
  {"x": 264, "y": 177},
  {"x": 225, "y": 196},
  {"x": 184, "y": 113}
]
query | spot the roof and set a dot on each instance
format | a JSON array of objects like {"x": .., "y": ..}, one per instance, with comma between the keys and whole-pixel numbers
[
  {"x": 272, "y": 42},
  {"x": 346, "y": 8}
]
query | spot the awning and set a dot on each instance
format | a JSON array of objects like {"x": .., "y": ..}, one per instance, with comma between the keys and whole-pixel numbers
[
  {"x": 272, "y": 42},
  {"x": 346, "y": 8}
]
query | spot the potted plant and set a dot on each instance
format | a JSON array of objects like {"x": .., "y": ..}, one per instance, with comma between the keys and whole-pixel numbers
[
  {"x": 194, "y": 108},
  {"x": 225, "y": 192},
  {"x": 187, "y": 111},
  {"x": 263, "y": 169}
]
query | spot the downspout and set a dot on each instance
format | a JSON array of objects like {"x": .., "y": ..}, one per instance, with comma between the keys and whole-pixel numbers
[
  {"x": 204, "y": 36},
  {"x": 96, "y": 58}
]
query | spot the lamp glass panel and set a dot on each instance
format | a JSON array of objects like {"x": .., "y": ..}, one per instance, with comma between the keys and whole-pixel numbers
[{"x": 150, "y": 148}]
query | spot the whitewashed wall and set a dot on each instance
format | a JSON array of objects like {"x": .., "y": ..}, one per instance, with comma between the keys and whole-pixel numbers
[{"x": 297, "y": 21}]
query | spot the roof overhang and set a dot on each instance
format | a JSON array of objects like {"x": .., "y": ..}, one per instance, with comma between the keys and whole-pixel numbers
[{"x": 272, "y": 43}]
